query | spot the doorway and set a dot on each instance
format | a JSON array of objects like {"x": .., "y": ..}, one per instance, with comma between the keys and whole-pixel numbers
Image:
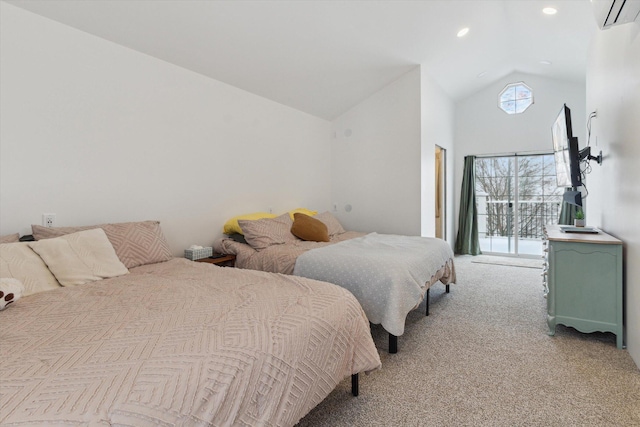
[
  {"x": 441, "y": 194},
  {"x": 516, "y": 196}
]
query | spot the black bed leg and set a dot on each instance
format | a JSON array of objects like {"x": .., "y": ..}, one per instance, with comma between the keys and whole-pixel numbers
[
  {"x": 393, "y": 344},
  {"x": 447, "y": 286},
  {"x": 355, "y": 388},
  {"x": 426, "y": 303}
]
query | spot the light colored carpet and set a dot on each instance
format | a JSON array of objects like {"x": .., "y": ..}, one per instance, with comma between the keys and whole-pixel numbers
[
  {"x": 483, "y": 358},
  {"x": 509, "y": 261}
]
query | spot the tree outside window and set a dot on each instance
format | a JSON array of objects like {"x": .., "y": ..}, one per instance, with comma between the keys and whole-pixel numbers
[{"x": 539, "y": 197}]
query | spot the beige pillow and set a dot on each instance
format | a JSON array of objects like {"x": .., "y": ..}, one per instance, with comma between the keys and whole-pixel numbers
[
  {"x": 19, "y": 261},
  {"x": 135, "y": 243},
  {"x": 308, "y": 228},
  {"x": 262, "y": 233},
  {"x": 232, "y": 226},
  {"x": 79, "y": 258},
  {"x": 11, "y": 238},
  {"x": 333, "y": 225}
]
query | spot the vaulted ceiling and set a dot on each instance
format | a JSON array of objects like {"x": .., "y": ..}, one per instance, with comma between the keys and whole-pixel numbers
[{"x": 323, "y": 57}]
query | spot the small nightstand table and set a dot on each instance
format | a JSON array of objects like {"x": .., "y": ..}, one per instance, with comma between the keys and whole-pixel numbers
[{"x": 222, "y": 261}]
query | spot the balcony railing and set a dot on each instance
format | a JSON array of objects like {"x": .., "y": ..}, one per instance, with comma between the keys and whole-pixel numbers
[{"x": 496, "y": 218}]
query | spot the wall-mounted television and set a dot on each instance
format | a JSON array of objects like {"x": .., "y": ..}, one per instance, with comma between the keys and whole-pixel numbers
[
  {"x": 566, "y": 151},
  {"x": 568, "y": 156}
]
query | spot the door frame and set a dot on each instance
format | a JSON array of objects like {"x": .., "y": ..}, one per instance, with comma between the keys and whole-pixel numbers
[{"x": 441, "y": 172}]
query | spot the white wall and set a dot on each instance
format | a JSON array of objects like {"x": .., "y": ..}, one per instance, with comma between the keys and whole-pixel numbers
[
  {"x": 482, "y": 128},
  {"x": 613, "y": 89},
  {"x": 437, "y": 123},
  {"x": 375, "y": 160},
  {"x": 96, "y": 132}
]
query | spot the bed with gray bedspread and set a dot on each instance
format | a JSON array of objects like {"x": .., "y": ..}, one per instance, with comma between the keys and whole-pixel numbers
[{"x": 390, "y": 275}]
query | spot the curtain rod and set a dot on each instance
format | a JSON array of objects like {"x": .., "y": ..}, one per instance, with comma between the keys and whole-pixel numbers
[{"x": 513, "y": 154}]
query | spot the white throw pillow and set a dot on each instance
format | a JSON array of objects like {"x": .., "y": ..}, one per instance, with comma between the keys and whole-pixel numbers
[
  {"x": 19, "y": 261},
  {"x": 11, "y": 290},
  {"x": 79, "y": 258}
]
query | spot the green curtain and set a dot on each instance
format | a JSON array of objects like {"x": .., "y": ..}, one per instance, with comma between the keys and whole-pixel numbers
[
  {"x": 567, "y": 212},
  {"x": 467, "y": 241}
]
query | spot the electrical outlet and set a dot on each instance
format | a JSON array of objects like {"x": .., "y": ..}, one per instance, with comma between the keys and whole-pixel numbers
[{"x": 48, "y": 219}]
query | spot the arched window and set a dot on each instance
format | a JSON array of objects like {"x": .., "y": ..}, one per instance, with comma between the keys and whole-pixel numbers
[{"x": 515, "y": 98}]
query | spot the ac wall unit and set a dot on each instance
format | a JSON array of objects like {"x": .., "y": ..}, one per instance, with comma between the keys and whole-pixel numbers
[{"x": 615, "y": 12}]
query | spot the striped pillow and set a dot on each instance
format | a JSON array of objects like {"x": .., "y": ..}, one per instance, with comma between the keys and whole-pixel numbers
[
  {"x": 11, "y": 238},
  {"x": 135, "y": 243}
]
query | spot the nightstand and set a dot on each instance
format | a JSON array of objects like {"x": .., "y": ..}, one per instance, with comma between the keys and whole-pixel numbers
[{"x": 222, "y": 261}]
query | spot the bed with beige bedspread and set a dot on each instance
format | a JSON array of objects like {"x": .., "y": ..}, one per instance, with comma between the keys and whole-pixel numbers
[{"x": 177, "y": 343}]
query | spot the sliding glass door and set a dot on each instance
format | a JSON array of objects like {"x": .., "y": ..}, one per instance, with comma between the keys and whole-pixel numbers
[{"x": 516, "y": 196}]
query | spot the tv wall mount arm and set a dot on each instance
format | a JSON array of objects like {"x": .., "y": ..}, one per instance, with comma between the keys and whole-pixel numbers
[{"x": 585, "y": 153}]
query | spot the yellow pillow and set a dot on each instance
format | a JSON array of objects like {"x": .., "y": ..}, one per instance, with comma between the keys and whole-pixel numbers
[
  {"x": 232, "y": 226},
  {"x": 302, "y": 211}
]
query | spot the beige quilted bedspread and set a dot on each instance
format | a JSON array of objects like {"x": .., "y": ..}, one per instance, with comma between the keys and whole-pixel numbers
[
  {"x": 180, "y": 343},
  {"x": 276, "y": 258}
]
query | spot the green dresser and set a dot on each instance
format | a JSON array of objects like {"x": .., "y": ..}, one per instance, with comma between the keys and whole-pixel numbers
[{"x": 583, "y": 282}]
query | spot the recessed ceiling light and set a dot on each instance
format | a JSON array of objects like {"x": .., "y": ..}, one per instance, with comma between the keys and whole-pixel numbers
[
  {"x": 545, "y": 62},
  {"x": 463, "y": 32},
  {"x": 550, "y": 10}
]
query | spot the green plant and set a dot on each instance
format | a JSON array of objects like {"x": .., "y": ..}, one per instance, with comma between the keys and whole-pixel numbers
[{"x": 579, "y": 214}]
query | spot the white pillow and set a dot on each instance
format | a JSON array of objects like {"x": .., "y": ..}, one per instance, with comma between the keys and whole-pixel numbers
[
  {"x": 18, "y": 261},
  {"x": 10, "y": 291},
  {"x": 79, "y": 258}
]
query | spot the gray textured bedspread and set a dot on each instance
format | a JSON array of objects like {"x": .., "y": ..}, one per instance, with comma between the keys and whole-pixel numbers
[{"x": 388, "y": 274}]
